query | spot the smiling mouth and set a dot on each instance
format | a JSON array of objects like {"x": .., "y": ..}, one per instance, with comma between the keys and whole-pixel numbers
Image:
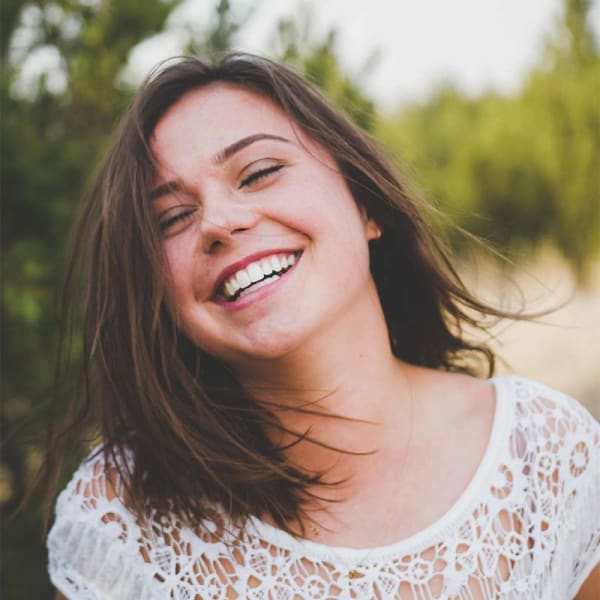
[{"x": 258, "y": 274}]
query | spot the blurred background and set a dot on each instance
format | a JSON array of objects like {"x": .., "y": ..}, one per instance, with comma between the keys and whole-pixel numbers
[{"x": 491, "y": 109}]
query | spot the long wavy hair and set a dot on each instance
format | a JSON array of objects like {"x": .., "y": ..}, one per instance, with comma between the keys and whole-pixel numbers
[{"x": 196, "y": 438}]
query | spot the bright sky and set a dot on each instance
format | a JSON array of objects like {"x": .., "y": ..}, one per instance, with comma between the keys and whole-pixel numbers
[{"x": 477, "y": 43}]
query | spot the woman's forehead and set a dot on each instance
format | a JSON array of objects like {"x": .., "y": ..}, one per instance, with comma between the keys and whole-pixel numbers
[
  {"x": 221, "y": 112},
  {"x": 206, "y": 121}
]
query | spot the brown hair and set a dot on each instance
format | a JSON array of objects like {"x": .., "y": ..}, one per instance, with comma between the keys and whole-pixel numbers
[{"x": 197, "y": 438}]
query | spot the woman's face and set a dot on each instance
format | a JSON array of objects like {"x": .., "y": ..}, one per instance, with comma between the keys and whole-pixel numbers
[{"x": 265, "y": 245}]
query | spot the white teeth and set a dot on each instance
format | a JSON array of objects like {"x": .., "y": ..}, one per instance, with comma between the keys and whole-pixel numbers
[
  {"x": 243, "y": 278},
  {"x": 255, "y": 272},
  {"x": 231, "y": 287},
  {"x": 276, "y": 263},
  {"x": 265, "y": 265},
  {"x": 261, "y": 284}
]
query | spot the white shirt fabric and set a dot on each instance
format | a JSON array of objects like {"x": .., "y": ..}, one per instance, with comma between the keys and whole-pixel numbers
[{"x": 526, "y": 526}]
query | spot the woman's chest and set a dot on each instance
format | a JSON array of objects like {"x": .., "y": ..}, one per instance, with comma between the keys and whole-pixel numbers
[{"x": 407, "y": 494}]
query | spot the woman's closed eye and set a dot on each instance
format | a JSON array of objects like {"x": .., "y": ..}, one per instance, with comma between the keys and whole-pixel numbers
[
  {"x": 260, "y": 174},
  {"x": 176, "y": 217}
]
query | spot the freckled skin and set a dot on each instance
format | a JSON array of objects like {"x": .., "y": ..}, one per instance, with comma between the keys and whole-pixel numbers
[{"x": 305, "y": 205}]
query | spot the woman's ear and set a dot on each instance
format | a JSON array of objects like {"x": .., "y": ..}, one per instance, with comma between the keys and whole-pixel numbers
[{"x": 372, "y": 229}]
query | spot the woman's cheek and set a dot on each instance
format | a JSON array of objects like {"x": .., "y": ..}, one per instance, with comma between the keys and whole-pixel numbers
[{"x": 182, "y": 265}]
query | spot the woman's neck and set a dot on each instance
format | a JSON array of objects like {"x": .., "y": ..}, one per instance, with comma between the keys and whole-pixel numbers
[{"x": 346, "y": 370}]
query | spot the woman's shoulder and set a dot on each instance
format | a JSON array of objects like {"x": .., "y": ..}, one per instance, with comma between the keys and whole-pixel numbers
[
  {"x": 553, "y": 469},
  {"x": 99, "y": 547},
  {"x": 529, "y": 400},
  {"x": 93, "y": 542},
  {"x": 523, "y": 423},
  {"x": 96, "y": 494},
  {"x": 97, "y": 483},
  {"x": 546, "y": 413},
  {"x": 553, "y": 450}
]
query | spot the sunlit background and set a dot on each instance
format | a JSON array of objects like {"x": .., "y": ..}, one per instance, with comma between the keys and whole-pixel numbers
[{"x": 491, "y": 108}]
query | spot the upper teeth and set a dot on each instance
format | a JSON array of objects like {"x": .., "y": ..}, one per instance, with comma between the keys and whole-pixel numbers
[{"x": 257, "y": 271}]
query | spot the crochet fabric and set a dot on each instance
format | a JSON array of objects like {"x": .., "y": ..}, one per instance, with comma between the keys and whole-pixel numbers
[{"x": 527, "y": 526}]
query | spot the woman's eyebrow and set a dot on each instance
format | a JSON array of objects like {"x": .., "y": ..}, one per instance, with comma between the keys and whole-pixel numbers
[
  {"x": 171, "y": 187},
  {"x": 232, "y": 149},
  {"x": 174, "y": 186}
]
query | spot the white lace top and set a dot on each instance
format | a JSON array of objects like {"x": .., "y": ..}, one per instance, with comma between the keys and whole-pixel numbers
[{"x": 527, "y": 526}]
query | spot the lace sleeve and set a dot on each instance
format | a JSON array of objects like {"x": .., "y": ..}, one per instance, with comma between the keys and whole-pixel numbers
[
  {"x": 93, "y": 547},
  {"x": 583, "y": 532},
  {"x": 563, "y": 459}
]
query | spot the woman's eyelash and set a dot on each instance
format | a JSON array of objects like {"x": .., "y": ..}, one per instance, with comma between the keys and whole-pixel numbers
[
  {"x": 257, "y": 175},
  {"x": 186, "y": 214},
  {"x": 178, "y": 218}
]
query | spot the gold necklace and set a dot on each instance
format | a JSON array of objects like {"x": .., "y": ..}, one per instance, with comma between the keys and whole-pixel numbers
[{"x": 351, "y": 571}]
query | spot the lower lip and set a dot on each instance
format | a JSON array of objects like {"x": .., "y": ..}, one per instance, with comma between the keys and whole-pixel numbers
[{"x": 259, "y": 294}]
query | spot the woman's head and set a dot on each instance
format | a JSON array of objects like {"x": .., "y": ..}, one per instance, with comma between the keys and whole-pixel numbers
[
  {"x": 220, "y": 103},
  {"x": 240, "y": 188},
  {"x": 214, "y": 164}
]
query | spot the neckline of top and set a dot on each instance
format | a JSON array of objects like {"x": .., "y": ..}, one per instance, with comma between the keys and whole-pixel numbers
[{"x": 426, "y": 536}]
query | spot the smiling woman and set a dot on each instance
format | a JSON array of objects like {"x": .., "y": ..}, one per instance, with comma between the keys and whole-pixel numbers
[
  {"x": 274, "y": 355},
  {"x": 249, "y": 198}
]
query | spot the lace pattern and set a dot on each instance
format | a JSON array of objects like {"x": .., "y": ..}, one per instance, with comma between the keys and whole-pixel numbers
[{"x": 527, "y": 526}]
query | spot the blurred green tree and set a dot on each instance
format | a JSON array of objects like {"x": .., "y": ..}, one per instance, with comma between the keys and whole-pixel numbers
[
  {"x": 563, "y": 104},
  {"x": 519, "y": 171},
  {"x": 54, "y": 126},
  {"x": 293, "y": 42}
]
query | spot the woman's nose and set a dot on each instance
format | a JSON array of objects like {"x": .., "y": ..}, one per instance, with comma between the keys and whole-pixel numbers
[{"x": 224, "y": 217}]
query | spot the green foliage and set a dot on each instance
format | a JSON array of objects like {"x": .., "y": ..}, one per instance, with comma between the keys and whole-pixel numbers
[
  {"x": 519, "y": 171},
  {"x": 318, "y": 60},
  {"x": 220, "y": 33},
  {"x": 51, "y": 141}
]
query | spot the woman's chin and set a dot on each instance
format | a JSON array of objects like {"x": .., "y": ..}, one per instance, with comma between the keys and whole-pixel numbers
[
  {"x": 269, "y": 349},
  {"x": 274, "y": 350}
]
